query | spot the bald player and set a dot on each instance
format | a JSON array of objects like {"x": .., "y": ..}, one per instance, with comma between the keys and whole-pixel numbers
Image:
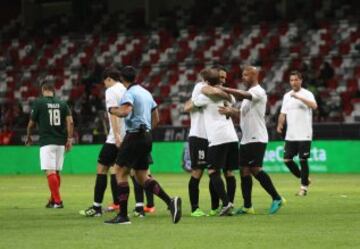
[{"x": 254, "y": 140}]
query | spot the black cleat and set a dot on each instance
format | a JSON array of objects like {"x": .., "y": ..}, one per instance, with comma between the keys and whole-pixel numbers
[
  {"x": 175, "y": 209},
  {"x": 139, "y": 212},
  {"x": 50, "y": 204},
  {"x": 118, "y": 220},
  {"x": 91, "y": 212}
]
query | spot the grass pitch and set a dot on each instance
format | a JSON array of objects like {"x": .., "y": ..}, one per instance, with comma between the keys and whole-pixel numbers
[{"x": 329, "y": 217}]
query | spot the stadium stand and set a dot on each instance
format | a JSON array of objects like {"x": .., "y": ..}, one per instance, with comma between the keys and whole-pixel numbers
[{"x": 172, "y": 52}]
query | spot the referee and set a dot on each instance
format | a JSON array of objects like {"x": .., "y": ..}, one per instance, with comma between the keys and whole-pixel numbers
[
  {"x": 141, "y": 115},
  {"x": 297, "y": 108}
]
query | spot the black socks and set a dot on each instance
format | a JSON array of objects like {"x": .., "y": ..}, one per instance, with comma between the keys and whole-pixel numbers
[
  {"x": 304, "y": 172},
  {"x": 123, "y": 192},
  {"x": 114, "y": 193},
  {"x": 231, "y": 187},
  {"x": 194, "y": 193},
  {"x": 219, "y": 187},
  {"x": 100, "y": 187},
  {"x": 294, "y": 168},
  {"x": 267, "y": 184},
  {"x": 154, "y": 187},
  {"x": 246, "y": 188}
]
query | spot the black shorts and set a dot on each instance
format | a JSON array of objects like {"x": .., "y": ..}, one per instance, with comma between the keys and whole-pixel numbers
[
  {"x": 293, "y": 148},
  {"x": 252, "y": 154},
  {"x": 198, "y": 152},
  {"x": 108, "y": 154},
  {"x": 224, "y": 156},
  {"x": 135, "y": 151}
]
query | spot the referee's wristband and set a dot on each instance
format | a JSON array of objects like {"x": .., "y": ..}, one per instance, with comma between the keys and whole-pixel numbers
[{"x": 109, "y": 109}]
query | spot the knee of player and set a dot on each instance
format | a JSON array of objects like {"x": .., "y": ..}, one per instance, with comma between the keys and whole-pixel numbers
[
  {"x": 287, "y": 160},
  {"x": 255, "y": 170},
  {"x": 245, "y": 171},
  {"x": 214, "y": 172},
  {"x": 196, "y": 173},
  {"x": 228, "y": 173},
  {"x": 303, "y": 159}
]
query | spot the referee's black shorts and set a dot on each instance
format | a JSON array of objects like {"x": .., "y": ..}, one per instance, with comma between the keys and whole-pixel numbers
[
  {"x": 198, "y": 152},
  {"x": 108, "y": 154},
  {"x": 252, "y": 154},
  {"x": 224, "y": 156},
  {"x": 135, "y": 151},
  {"x": 293, "y": 148}
]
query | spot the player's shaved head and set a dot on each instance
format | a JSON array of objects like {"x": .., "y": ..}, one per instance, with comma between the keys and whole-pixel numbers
[
  {"x": 250, "y": 75},
  {"x": 251, "y": 69}
]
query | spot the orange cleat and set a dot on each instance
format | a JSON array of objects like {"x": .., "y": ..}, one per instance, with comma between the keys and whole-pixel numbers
[
  {"x": 149, "y": 209},
  {"x": 113, "y": 207}
]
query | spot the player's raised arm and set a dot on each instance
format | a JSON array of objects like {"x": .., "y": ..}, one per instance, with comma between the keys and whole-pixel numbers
[
  {"x": 238, "y": 94},
  {"x": 188, "y": 106},
  {"x": 121, "y": 111},
  {"x": 229, "y": 111},
  {"x": 215, "y": 92},
  {"x": 309, "y": 103}
]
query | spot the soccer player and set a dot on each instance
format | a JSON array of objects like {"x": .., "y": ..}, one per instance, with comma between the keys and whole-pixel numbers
[
  {"x": 228, "y": 170},
  {"x": 55, "y": 123},
  {"x": 296, "y": 109},
  {"x": 198, "y": 144},
  {"x": 113, "y": 94},
  {"x": 141, "y": 115},
  {"x": 222, "y": 137},
  {"x": 254, "y": 140}
]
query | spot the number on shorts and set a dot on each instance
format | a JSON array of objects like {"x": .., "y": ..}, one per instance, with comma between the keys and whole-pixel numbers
[
  {"x": 54, "y": 115},
  {"x": 201, "y": 154}
]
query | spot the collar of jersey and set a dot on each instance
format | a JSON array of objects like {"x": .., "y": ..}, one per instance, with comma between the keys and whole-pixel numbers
[{"x": 131, "y": 85}]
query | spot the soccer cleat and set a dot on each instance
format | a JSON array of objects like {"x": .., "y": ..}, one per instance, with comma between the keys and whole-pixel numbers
[
  {"x": 118, "y": 220},
  {"x": 50, "y": 204},
  {"x": 113, "y": 207},
  {"x": 303, "y": 191},
  {"x": 139, "y": 213},
  {"x": 276, "y": 205},
  {"x": 243, "y": 210},
  {"x": 58, "y": 205},
  {"x": 226, "y": 211},
  {"x": 91, "y": 212},
  {"x": 198, "y": 213},
  {"x": 149, "y": 209},
  {"x": 214, "y": 212},
  {"x": 175, "y": 209}
]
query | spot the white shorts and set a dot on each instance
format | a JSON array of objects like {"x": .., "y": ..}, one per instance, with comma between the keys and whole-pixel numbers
[{"x": 52, "y": 157}]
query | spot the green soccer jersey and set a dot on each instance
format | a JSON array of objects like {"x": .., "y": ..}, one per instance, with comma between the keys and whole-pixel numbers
[{"x": 50, "y": 115}]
